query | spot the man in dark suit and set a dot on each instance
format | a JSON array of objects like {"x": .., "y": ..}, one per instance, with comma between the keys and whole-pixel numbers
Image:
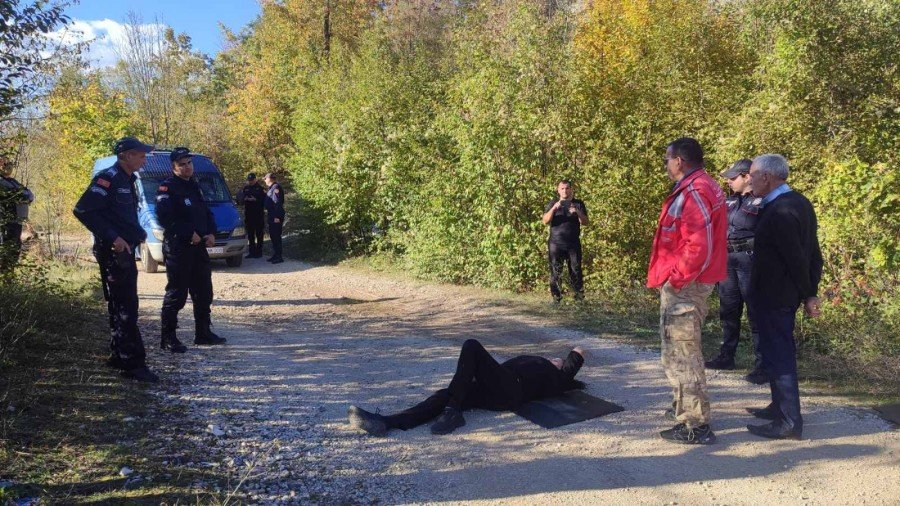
[
  {"x": 480, "y": 382},
  {"x": 787, "y": 267}
]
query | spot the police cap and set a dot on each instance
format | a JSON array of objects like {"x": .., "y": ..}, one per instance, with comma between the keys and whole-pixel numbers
[
  {"x": 739, "y": 168},
  {"x": 251, "y": 176},
  {"x": 128, "y": 143},
  {"x": 179, "y": 153}
]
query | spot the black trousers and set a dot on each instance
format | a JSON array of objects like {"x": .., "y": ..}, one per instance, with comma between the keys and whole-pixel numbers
[
  {"x": 187, "y": 272},
  {"x": 275, "y": 236},
  {"x": 570, "y": 254},
  {"x": 119, "y": 274},
  {"x": 779, "y": 360},
  {"x": 479, "y": 382},
  {"x": 10, "y": 245},
  {"x": 256, "y": 228},
  {"x": 733, "y": 291}
]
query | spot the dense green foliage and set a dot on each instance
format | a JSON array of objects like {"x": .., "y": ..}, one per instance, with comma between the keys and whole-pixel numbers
[{"x": 437, "y": 131}]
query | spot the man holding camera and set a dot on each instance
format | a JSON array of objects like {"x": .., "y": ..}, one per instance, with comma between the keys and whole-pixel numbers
[{"x": 565, "y": 215}]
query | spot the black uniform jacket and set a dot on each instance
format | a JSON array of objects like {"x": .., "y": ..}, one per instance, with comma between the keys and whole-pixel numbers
[
  {"x": 743, "y": 214},
  {"x": 253, "y": 209},
  {"x": 275, "y": 202},
  {"x": 181, "y": 210},
  {"x": 540, "y": 378},
  {"x": 108, "y": 208},
  {"x": 787, "y": 261}
]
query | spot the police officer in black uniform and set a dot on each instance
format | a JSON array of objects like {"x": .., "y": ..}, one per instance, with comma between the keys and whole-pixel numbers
[
  {"x": 12, "y": 195},
  {"x": 275, "y": 211},
  {"x": 743, "y": 212},
  {"x": 108, "y": 209},
  {"x": 252, "y": 196},
  {"x": 565, "y": 216},
  {"x": 189, "y": 228}
]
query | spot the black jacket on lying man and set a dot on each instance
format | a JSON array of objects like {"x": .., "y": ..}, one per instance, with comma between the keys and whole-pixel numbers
[{"x": 479, "y": 382}]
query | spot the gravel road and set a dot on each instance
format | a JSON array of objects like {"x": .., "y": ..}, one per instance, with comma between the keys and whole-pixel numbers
[{"x": 305, "y": 342}]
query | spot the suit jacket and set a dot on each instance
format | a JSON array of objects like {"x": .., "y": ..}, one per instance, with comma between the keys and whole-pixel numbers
[{"x": 787, "y": 261}]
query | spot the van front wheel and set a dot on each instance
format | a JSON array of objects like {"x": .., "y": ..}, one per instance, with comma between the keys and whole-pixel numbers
[
  {"x": 151, "y": 266},
  {"x": 235, "y": 261}
]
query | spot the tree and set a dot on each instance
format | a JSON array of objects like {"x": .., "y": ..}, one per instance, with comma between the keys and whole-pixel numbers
[{"x": 23, "y": 48}]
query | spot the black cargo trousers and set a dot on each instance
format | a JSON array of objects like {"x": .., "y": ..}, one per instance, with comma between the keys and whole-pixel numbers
[
  {"x": 119, "y": 274},
  {"x": 188, "y": 272}
]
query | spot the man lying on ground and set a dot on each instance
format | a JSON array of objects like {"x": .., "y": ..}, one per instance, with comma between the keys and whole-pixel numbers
[{"x": 480, "y": 382}]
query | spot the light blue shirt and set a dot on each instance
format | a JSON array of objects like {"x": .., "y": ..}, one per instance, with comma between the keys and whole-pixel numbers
[{"x": 774, "y": 194}]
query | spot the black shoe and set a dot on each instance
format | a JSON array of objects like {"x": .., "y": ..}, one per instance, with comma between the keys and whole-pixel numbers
[
  {"x": 680, "y": 433},
  {"x": 721, "y": 363},
  {"x": 115, "y": 362},
  {"x": 209, "y": 340},
  {"x": 450, "y": 420},
  {"x": 774, "y": 430},
  {"x": 767, "y": 413},
  {"x": 670, "y": 415},
  {"x": 141, "y": 374},
  {"x": 373, "y": 423},
  {"x": 172, "y": 344},
  {"x": 277, "y": 260},
  {"x": 757, "y": 377}
]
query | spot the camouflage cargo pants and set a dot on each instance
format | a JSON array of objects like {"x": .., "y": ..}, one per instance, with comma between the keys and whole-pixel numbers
[{"x": 681, "y": 316}]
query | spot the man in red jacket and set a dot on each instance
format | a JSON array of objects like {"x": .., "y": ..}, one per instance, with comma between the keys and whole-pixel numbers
[{"x": 688, "y": 258}]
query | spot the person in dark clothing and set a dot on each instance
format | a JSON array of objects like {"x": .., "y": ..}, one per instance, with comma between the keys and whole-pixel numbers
[
  {"x": 252, "y": 196},
  {"x": 13, "y": 194},
  {"x": 275, "y": 211},
  {"x": 565, "y": 215},
  {"x": 743, "y": 213},
  {"x": 189, "y": 228},
  {"x": 108, "y": 208},
  {"x": 787, "y": 268},
  {"x": 480, "y": 382}
]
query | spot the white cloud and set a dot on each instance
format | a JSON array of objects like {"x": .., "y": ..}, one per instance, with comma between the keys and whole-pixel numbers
[{"x": 105, "y": 39}]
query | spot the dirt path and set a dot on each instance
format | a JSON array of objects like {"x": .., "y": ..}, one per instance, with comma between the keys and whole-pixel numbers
[{"x": 305, "y": 342}]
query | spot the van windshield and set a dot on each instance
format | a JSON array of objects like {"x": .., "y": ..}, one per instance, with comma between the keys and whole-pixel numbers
[{"x": 212, "y": 186}]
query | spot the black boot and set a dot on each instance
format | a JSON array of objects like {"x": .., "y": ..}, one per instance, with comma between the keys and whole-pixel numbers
[
  {"x": 757, "y": 376},
  {"x": 172, "y": 344},
  {"x": 204, "y": 336},
  {"x": 142, "y": 374},
  {"x": 373, "y": 423},
  {"x": 450, "y": 420},
  {"x": 769, "y": 412},
  {"x": 721, "y": 362}
]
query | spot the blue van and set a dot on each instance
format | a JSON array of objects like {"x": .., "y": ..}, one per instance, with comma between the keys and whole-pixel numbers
[{"x": 231, "y": 239}]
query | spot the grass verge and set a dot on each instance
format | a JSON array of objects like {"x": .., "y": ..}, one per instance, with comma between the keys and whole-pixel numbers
[{"x": 68, "y": 424}]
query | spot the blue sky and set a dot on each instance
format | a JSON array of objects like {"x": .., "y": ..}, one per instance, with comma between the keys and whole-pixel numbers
[{"x": 102, "y": 21}]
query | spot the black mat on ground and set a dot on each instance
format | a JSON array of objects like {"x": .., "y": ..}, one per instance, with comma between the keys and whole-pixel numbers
[
  {"x": 570, "y": 407},
  {"x": 890, "y": 412}
]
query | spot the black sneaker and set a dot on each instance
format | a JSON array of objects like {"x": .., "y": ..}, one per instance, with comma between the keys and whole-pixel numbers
[
  {"x": 757, "y": 377},
  {"x": 141, "y": 374},
  {"x": 172, "y": 344},
  {"x": 450, "y": 420},
  {"x": 681, "y": 434},
  {"x": 373, "y": 423},
  {"x": 721, "y": 363}
]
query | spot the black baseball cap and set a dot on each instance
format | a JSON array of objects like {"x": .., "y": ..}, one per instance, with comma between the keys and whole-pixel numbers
[
  {"x": 179, "y": 153},
  {"x": 251, "y": 176},
  {"x": 739, "y": 167},
  {"x": 128, "y": 143}
]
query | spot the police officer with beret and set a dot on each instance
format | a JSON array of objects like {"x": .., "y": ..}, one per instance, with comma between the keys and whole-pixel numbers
[
  {"x": 108, "y": 208},
  {"x": 743, "y": 213},
  {"x": 275, "y": 210},
  {"x": 252, "y": 196},
  {"x": 189, "y": 228}
]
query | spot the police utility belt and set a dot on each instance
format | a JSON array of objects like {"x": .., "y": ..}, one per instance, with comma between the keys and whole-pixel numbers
[{"x": 739, "y": 245}]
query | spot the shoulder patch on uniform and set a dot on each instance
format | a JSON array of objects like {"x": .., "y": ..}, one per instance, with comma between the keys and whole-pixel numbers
[
  {"x": 101, "y": 191},
  {"x": 103, "y": 182},
  {"x": 163, "y": 188}
]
